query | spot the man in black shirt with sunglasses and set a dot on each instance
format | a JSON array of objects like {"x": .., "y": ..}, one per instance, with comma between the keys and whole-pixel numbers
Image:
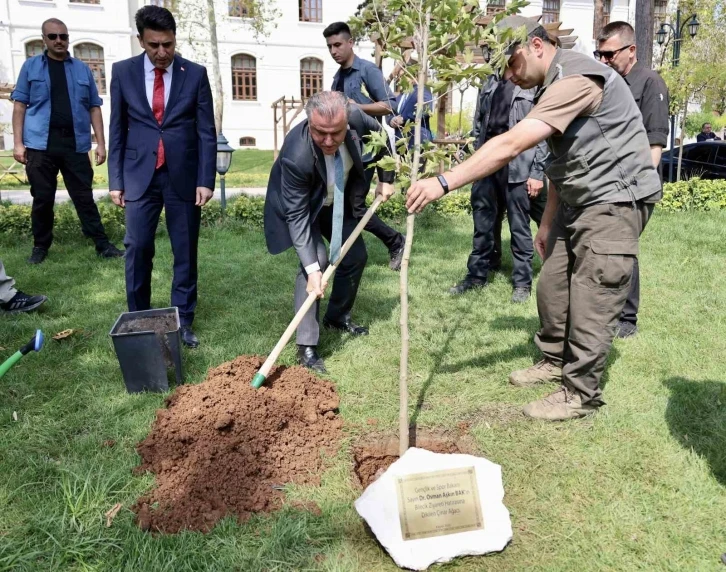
[
  {"x": 55, "y": 103},
  {"x": 616, "y": 48}
]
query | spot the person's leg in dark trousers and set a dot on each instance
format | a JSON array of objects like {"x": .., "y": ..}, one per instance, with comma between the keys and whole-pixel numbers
[
  {"x": 345, "y": 282},
  {"x": 485, "y": 210},
  {"x": 183, "y": 219},
  {"x": 350, "y": 270},
  {"x": 630, "y": 310},
  {"x": 387, "y": 235},
  {"x": 142, "y": 218},
  {"x": 42, "y": 170},
  {"x": 496, "y": 260},
  {"x": 78, "y": 176},
  {"x": 521, "y": 235}
]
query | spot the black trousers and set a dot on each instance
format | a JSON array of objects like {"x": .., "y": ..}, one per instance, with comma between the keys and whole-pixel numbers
[
  {"x": 183, "y": 219},
  {"x": 489, "y": 198},
  {"x": 630, "y": 310},
  {"x": 387, "y": 235},
  {"x": 345, "y": 281},
  {"x": 42, "y": 170}
]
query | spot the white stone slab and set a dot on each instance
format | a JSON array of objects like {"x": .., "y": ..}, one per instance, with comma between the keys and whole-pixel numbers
[{"x": 379, "y": 507}]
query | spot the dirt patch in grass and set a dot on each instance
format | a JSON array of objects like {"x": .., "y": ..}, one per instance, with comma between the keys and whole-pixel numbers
[
  {"x": 223, "y": 448},
  {"x": 375, "y": 453}
]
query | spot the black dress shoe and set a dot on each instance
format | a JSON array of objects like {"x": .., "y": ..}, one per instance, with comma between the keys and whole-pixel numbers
[
  {"x": 308, "y": 356},
  {"x": 38, "y": 255},
  {"x": 345, "y": 325},
  {"x": 189, "y": 338},
  {"x": 396, "y": 255},
  {"x": 468, "y": 283},
  {"x": 111, "y": 252}
]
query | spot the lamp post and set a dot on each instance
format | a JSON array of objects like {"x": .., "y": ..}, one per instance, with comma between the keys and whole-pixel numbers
[
  {"x": 692, "y": 23},
  {"x": 224, "y": 160}
]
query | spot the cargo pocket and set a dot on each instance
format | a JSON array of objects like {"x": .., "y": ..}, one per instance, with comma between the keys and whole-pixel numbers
[{"x": 612, "y": 262}]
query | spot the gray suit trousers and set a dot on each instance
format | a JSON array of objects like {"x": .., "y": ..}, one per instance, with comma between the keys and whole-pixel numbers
[
  {"x": 345, "y": 281},
  {"x": 7, "y": 285}
]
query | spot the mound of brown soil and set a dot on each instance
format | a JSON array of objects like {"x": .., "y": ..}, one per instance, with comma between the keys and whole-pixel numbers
[{"x": 222, "y": 447}]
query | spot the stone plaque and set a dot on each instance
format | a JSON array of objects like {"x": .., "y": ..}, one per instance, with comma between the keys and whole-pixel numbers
[{"x": 439, "y": 503}]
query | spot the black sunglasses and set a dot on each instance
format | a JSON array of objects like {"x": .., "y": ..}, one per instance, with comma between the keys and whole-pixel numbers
[
  {"x": 607, "y": 54},
  {"x": 52, "y": 37}
]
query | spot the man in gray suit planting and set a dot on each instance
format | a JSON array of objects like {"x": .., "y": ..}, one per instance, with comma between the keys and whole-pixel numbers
[{"x": 311, "y": 195}]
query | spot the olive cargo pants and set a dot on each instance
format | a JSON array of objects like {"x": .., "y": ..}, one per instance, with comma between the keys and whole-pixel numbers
[{"x": 583, "y": 287}]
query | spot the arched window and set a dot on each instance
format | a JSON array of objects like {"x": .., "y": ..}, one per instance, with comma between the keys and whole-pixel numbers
[
  {"x": 495, "y": 6},
  {"x": 34, "y": 48},
  {"x": 660, "y": 13},
  {"x": 311, "y": 10},
  {"x": 247, "y": 142},
  {"x": 550, "y": 11},
  {"x": 92, "y": 56},
  {"x": 244, "y": 77},
  {"x": 240, "y": 8},
  {"x": 311, "y": 77}
]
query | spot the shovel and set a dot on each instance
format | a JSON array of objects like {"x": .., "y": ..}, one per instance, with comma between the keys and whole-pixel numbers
[
  {"x": 261, "y": 375},
  {"x": 34, "y": 345}
]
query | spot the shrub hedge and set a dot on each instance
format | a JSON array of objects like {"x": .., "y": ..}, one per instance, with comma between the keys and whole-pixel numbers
[{"x": 692, "y": 195}]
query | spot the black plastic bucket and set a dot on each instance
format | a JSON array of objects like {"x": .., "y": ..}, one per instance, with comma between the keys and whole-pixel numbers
[{"x": 145, "y": 356}]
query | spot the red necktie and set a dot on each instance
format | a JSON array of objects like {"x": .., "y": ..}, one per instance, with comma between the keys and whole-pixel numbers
[{"x": 157, "y": 106}]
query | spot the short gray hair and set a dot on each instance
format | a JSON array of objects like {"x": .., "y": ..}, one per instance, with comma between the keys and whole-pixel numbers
[{"x": 328, "y": 104}]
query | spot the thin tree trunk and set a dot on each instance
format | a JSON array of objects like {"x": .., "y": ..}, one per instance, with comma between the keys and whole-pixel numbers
[
  {"x": 423, "y": 50},
  {"x": 644, "y": 29},
  {"x": 680, "y": 150},
  {"x": 598, "y": 18},
  {"x": 218, "y": 93}
]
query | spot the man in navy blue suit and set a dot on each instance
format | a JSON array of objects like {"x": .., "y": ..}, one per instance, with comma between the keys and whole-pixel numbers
[{"x": 162, "y": 155}]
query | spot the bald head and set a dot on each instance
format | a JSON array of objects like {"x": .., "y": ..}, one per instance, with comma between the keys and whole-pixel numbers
[
  {"x": 52, "y": 22},
  {"x": 55, "y": 38}
]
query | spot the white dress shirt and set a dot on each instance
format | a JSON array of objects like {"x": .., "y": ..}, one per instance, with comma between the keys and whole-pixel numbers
[
  {"x": 150, "y": 76},
  {"x": 330, "y": 168}
]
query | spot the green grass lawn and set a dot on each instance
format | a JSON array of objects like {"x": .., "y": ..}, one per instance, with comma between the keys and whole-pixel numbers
[
  {"x": 639, "y": 486},
  {"x": 250, "y": 168}
]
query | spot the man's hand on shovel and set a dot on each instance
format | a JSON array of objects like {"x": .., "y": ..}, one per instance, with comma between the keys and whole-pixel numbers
[
  {"x": 385, "y": 191},
  {"x": 315, "y": 284}
]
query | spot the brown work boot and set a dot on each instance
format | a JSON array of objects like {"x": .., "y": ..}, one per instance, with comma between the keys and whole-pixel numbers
[
  {"x": 542, "y": 372},
  {"x": 558, "y": 406}
]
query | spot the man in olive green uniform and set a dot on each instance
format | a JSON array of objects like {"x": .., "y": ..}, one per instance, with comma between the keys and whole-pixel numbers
[{"x": 603, "y": 180}]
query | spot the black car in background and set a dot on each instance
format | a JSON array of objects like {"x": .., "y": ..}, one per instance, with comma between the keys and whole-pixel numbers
[{"x": 706, "y": 160}]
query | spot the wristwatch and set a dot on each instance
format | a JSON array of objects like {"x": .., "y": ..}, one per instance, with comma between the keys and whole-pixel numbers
[{"x": 443, "y": 183}]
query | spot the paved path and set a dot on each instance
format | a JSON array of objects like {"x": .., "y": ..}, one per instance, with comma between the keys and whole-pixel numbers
[{"x": 61, "y": 196}]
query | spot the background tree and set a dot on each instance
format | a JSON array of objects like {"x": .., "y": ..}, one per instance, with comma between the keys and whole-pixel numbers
[
  {"x": 700, "y": 76},
  {"x": 197, "y": 25},
  {"x": 443, "y": 33},
  {"x": 644, "y": 29}
]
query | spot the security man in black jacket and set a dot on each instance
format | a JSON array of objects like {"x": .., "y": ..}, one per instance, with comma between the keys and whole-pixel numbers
[{"x": 616, "y": 48}]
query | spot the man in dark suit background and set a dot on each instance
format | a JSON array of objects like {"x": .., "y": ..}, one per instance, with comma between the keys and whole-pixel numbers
[
  {"x": 312, "y": 193},
  {"x": 162, "y": 155}
]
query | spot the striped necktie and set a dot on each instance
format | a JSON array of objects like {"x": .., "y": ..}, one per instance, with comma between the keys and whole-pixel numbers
[{"x": 336, "y": 238}]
